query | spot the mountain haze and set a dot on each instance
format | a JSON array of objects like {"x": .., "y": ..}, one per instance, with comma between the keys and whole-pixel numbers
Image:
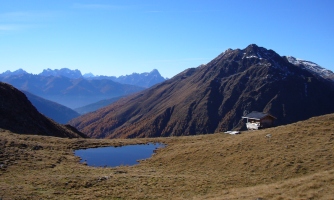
[
  {"x": 72, "y": 89},
  {"x": 213, "y": 97},
  {"x": 95, "y": 106},
  {"x": 72, "y": 74},
  {"x": 18, "y": 115},
  {"x": 72, "y": 93},
  {"x": 146, "y": 79},
  {"x": 55, "y": 111}
]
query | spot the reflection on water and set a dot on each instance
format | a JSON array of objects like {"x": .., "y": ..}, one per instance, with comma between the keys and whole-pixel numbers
[{"x": 116, "y": 156}]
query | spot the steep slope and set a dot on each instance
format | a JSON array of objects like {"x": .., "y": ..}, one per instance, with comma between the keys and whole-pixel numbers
[
  {"x": 213, "y": 98},
  {"x": 18, "y": 115},
  {"x": 55, "y": 111},
  {"x": 72, "y": 93}
]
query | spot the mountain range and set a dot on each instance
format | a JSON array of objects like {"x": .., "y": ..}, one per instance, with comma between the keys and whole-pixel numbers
[
  {"x": 72, "y": 74},
  {"x": 72, "y": 93},
  {"x": 213, "y": 97},
  {"x": 146, "y": 79},
  {"x": 71, "y": 89},
  {"x": 18, "y": 115}
]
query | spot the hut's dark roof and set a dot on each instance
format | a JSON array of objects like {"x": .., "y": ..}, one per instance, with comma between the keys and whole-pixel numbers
[{"x": 257, "y": 115}]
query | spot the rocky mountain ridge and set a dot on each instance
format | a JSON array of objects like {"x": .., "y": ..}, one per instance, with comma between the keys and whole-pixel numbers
[
  {"x": 72, "y": 89},
  {"x": 73, "y": 74},
  {"x": 146, "y": 79},
  {"x": 213, "y": 97},
  {"x": 312, "y": 67}
]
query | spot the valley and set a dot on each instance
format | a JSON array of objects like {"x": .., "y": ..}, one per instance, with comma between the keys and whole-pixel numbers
[
  {"x": 297, "y": 163},
  {"x": 72, "y": 89},
  {"x": 55, "y": 111},
  {"x": 175, "y": 100},
  {"x": 188, "y": 113}
]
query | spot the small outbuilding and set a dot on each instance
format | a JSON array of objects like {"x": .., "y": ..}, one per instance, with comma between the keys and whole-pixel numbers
[{"x": 257, "y": 120}]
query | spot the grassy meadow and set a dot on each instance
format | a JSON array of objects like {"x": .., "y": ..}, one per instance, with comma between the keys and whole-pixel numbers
[{"x": 297, "y": 162}]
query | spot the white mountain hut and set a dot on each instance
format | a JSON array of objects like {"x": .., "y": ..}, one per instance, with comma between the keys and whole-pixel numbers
[{"x": 257, "y": 120}]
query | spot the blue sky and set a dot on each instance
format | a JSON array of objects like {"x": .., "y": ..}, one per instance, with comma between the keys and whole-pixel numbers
[{"x": 119, "y": 37}]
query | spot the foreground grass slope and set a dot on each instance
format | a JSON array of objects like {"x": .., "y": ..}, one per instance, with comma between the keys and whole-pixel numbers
[{"x": 296, "y": 163}]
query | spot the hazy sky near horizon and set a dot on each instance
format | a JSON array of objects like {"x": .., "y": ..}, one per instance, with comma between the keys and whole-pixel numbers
[{"x": 119, "y": 37}]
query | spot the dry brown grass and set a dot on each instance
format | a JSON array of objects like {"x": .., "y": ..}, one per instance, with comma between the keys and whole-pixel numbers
[{"x": 297, "y": 163}]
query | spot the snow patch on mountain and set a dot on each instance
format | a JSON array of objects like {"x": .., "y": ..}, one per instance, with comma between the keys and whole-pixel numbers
[{"x": 312, "y": 67}]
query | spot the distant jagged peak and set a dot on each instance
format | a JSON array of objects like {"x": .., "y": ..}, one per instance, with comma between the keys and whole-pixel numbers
[
  {"x": 152, "y": 73},
  {"x": 312, "y": 67},
  {"x": 155, "y": 71},
  {"x": 20, "y": 71},
  {"x": 88, "y": 75},
  {"x": 62, "y": 72},
  {"x": 16, "y": 72}
]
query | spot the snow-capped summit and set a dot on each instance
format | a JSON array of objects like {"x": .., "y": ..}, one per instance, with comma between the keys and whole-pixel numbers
[{"x": 312, "y": 67}]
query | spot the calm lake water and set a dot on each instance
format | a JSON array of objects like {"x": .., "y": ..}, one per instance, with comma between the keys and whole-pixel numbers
[{"x": 117, "y": 156}]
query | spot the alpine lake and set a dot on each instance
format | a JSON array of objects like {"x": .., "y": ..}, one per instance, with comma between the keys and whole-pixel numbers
[{"x": 117, "y": 156}]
